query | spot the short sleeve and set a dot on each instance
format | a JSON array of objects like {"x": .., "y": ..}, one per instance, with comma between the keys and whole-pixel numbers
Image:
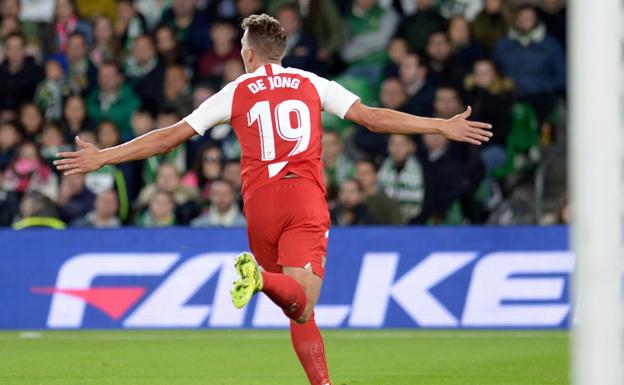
[
  {"x": 216, "y": 110},
  {"x": 335, "y": 99}
]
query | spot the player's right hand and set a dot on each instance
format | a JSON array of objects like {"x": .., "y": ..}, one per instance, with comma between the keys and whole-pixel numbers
[
  {"x": 85, "y": 159},
  {"x": 460, "y": 129}
]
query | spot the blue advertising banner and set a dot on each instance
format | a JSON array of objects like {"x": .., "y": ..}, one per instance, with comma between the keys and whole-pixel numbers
[{"x": 377, "y": 277}]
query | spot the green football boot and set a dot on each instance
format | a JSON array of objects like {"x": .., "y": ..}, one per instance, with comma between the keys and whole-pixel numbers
[{"x": 249, "y": 280}]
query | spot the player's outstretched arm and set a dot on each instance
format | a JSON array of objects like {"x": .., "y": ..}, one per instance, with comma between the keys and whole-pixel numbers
[
  {"x": 88, "y": 157},
  {"x": 384, "y": 120}
]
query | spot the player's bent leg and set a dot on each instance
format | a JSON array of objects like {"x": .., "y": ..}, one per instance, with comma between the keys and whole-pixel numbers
[
  {"x": 311, "y": 284},
  {"x": 282, "y": 289},
  {"x": 286, "y": 293}
]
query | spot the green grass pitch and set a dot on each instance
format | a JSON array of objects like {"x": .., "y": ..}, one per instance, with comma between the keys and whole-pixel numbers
[{"x": 209, "y": 357}]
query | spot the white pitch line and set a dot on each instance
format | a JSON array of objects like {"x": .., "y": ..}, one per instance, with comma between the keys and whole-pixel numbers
[
  {"x": 29, "y": 335},
  {"x": 272, "y": 335}
]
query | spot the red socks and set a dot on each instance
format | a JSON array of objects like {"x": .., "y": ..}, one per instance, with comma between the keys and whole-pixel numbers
[
  {"x": 308, "y": 343},
  {"x": 306, "y": 338},
  {"x": 285, "y": 292}
]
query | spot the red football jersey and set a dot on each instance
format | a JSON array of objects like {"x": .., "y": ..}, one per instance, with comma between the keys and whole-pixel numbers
[{"x": 276, "y": 114}]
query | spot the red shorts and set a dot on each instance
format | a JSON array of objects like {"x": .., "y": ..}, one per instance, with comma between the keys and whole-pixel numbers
[{"x": 288, "y": 224}]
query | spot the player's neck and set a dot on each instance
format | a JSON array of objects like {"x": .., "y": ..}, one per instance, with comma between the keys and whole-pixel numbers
[{"x": 253, "y": 67}]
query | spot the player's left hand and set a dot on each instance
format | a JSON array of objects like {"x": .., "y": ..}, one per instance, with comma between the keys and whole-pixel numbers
[
  {"x": 85, "y": 159},
  {"x": 460, "y": 129}
]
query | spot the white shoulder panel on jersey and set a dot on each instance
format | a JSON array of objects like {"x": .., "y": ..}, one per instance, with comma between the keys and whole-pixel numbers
[
  {"x": 335, "y": 98},
  {"x": 217, "y": 109}
]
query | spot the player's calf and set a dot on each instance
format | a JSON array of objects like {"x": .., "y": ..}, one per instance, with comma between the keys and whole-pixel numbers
[
  {"x": 286, "y": 293},
  {"x": 311, "y": 284}
]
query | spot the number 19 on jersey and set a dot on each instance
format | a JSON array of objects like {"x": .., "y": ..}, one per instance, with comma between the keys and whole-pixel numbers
[{"x": 292, "y": 123}]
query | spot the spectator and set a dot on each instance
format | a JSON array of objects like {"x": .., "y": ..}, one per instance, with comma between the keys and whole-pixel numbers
[
  {"x": 52, "y": 142},
  {"x": 224, "y": 47},
  {"x": 167, "y": 46},
  {"x": 369, "y": 29},
  {"x": 31, "y": 121},
  {"x": 19, "y": 75},
  {"x": 393, "y": 95},
  {"x": 87, "y": 136},
  {"x": 160, "y": 212},
  {"x": 223, "y": 211},
  {"x": 443, "y": 179},
  {"x": 51, "y": 91},
  {"x": 177, "y": 92},
  {"x": 113, "y": 100},
  {"x": 301, "y": 50},
  {"x": 104, "y": 214},
  {"x": 554, "y": 14},
  {"x": 233, "y": 70},
  {"x": 9, "y": 9},
  {"x": 75, "y": 199},
  {"x": 446, "y": 105},
  {"x": 232, "y": 173},
  {"x": 401, "y": 176},
  {"x": 443, "y": 65},
  {"x": 107, "y": 134},
  {"x": 8, "y": 26},
  {"x": 462, "y": 47},
  {"x": 339, "y": 167},
  {"x": 418, "y": 86},
  {"x": 9, "y": 203},
  {"x": 66, "y": 22},
  {"x": 534, "y": 60},
  {"x": 207, "y": 168},
  {"x": 350, "y": 208},
  {"x": 378, "y": 203},
  {"x": 10, "y": 138},
  {"x": 189, "y": 27},
  {"x": 322, "y": 20},
  {"x": 177, "y": 156},
  {"x": 145, "y": 72},
  {"x": 490, "y": 96},
  {"x": 248, "y": 7},
  {"x": 490, "y": 25},
  {"x": 169, "y": 181},
  {"x": 9, "y": 22},
  {"x": 37, "y": 211},
  {"x": 75, "y": 117},
  {"x": 201, "y": 93},
  {"x": 28, "y": 172},
  {"x": 375, "y": 145},
  {"x": 142, "y": 122},
  {"x": 119, "y": 177},
  {"x": 417, "y": 28},
  {"x": 222, "y": 10},
  {"x": 130, "y": 24},
  {"x": 398, "y": 50},
  {"x": 81, "y": 73},
  {"x": 105, "y": 44}
]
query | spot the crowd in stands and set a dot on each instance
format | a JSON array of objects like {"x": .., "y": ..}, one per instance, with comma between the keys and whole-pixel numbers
[{"x": 108, "y": 71}]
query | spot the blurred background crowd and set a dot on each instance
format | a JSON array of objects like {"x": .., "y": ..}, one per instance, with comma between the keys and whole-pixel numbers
[{"x": 111, "y": 70}]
